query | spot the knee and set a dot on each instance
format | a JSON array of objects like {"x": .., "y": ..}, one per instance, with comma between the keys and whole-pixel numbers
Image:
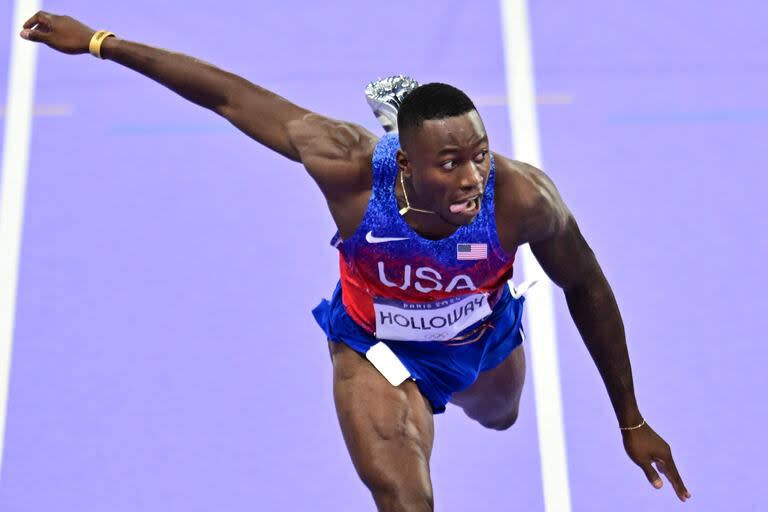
[
  {"x": 502, "y": 422},
  {"x": 400, "y": 496}
]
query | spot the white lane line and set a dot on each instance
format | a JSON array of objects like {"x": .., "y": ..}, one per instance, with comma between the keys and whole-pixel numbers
[
  {"x": 540, "y": 311},
  {"x": 18, "y": 127}
]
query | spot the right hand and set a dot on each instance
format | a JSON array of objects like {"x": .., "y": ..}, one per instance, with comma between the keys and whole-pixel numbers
[
  {"x": 644, "y": 446},
  {"x": 61, "y": 33}
]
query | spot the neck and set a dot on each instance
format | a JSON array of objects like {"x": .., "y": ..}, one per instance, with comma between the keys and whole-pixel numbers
[
  {"x": 431, "y": 226},
  {"x": 408, "y": 207}
]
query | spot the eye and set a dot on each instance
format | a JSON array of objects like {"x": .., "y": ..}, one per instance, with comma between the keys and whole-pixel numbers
[
  {"x": 448, "y": 165},
  {"x": 480, "y": 157}
]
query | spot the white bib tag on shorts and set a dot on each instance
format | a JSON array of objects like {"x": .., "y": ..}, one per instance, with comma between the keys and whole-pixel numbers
[
  {"x": 383, "y": 359},
  {"x": 428, "y": 321}
]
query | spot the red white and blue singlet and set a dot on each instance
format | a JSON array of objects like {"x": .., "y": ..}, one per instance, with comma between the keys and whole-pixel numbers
[
  {"x": 441, "y": 306},
  {"x": 398, "y": 285}
]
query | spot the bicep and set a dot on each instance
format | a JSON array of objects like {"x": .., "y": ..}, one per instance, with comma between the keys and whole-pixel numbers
[{"x": 548, "y": 225}]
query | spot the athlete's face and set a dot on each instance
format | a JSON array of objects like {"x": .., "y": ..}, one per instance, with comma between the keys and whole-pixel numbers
[{"x": 446, "y": 164}]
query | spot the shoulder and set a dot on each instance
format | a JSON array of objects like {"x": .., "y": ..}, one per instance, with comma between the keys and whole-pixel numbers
[
  {"x": 337, "y": 154},
  {"x": 528, "y": 205}
]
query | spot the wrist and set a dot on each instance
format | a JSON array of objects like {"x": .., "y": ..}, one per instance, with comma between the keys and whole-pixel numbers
[
  {"x": 626, "y": 409},
  {"x": 100, "y": 42},
  {"x": 630, "y": 417},
  {"x": 108, "y": 46},
  {"x": 632, "y": 428}
]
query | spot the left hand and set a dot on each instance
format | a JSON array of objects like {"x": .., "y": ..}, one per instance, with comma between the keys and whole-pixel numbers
[{"x": 644, "y": 447}]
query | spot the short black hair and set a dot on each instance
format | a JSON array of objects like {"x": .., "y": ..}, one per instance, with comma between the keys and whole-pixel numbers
[{"x": 431, "y": 101}]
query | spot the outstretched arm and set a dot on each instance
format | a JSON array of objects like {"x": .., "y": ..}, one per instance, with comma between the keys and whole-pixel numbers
[
  {"x": 567, "y": 259},
  {"x": 277, "y": 123}
]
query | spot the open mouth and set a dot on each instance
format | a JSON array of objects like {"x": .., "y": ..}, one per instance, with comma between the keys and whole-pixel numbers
[{"x": 468, "y": 206}]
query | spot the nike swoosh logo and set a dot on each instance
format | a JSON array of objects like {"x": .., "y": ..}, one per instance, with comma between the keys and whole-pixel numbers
[{"x": 377, "y": 240}]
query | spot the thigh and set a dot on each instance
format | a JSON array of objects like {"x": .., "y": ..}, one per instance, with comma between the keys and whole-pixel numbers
[
  {"x": 495, "y": 396},
  {"x": 388, "y": 430}
]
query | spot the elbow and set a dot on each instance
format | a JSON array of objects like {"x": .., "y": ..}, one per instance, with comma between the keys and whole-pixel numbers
[
  {"x": 226, "y": 103},
  {"x": 230, "y": 97},
  {"x": 588, "y": 282}
]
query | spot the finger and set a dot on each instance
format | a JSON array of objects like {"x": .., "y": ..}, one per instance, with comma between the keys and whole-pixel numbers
[
  {"x": 652, "y": 475},
  {"x": 41, "y": 20},
  {"x": 34, "y": 20},
  {"x": 670, "y": 471},
  {"x": 34, "y": 35}
]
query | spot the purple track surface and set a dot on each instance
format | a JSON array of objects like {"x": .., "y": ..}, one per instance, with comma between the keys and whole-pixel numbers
[{"x": 165, "y": 357}]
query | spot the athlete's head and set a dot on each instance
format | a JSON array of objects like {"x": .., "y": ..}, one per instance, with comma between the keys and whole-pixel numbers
[{"x": 444, "y": 154}]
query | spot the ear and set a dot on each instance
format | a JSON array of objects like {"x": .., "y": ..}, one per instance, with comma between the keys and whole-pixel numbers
[{"x": 402, "y": 162}]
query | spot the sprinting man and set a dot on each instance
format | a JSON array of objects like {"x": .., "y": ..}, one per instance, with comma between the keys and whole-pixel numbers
[{"x": 428, "y": 224}]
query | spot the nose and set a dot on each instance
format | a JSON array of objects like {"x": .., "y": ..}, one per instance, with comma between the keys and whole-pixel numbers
[{"x": 470, "y": 178}]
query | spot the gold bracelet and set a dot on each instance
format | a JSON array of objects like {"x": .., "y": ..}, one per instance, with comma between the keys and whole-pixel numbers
[
  {"x": 633, "y": 428},
  {"x": 96, "y": 41}
]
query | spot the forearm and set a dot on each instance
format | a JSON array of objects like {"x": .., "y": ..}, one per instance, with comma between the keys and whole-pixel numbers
[
  {"x": 259, "y": 113},
  {"x": 596, "y": 315},
  {"x": 195, "y": 80}
]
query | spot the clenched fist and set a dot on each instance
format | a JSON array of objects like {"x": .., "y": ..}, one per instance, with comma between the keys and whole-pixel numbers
[{"x": 61, "y": 33}]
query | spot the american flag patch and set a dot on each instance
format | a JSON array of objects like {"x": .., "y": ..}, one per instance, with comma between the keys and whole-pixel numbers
[{"x": 472, "y": 251}]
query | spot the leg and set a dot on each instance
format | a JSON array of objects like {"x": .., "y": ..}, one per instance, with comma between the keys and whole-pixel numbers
[
  {"x": 494, "y": 398},
  {"x": 388, "y": 430}
]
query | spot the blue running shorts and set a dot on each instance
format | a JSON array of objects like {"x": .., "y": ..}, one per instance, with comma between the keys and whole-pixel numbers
[{"x": 439, "y": 368}]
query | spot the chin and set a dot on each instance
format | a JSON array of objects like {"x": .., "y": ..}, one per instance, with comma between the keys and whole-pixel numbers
[
  {"x": 457, "y": 219},
  {"x": 464, "y": 220}
]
